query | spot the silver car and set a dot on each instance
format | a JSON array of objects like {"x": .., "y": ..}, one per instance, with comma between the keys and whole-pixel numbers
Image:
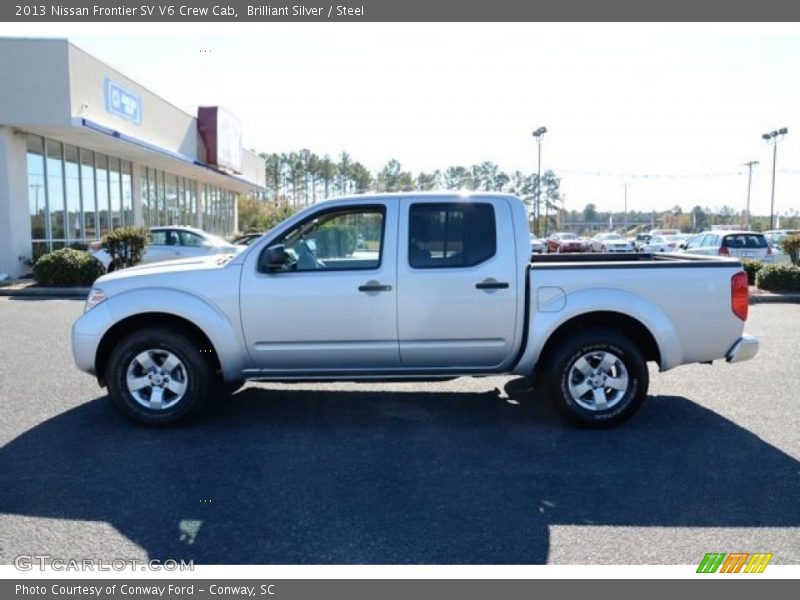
[
  {"x": 610, "y": 242},
  {"x": 738, "y": 244},
  {"x": 173, "y": 242}
]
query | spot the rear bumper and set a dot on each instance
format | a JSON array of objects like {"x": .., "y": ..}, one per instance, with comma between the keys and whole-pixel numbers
[{"x": 745, "y": 348}]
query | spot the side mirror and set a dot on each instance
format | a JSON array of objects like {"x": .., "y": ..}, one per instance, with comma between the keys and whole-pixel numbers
[
  {"x": 273, "y": 258},
  {"x": 682, "y": 246}
]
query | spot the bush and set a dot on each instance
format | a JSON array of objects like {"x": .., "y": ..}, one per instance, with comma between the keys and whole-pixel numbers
[
  {"x": 125, "y": 246},
  {"x": 779, "y": 277},
  {"x": 67, "y": 266},
  {"x": 791, "y": 245},
  {"x": 259, "y": 215},
  {"x": 751, "y": 267}
]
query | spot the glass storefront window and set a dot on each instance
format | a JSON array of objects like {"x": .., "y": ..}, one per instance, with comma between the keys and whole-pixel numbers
[
  {"x": 72, "y": 185},
  {"x": 88, "y": 195},
  {"x": 76, "y": 195},
  {"x": 171, "y": 199},
  {"x": 115, "y": 193},
  {"x": 37, "y": 199},
  {"x": 101, "y": 162},
  {"x": 127, "y": 193},
  {"x": 55, "y": 188}
]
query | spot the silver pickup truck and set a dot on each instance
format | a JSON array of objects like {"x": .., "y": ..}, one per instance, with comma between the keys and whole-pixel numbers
[{"x": 408, "y": 286}]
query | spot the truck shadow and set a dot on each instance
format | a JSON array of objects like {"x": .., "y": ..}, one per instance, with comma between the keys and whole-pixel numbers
[{"x": 425, "y": 477}]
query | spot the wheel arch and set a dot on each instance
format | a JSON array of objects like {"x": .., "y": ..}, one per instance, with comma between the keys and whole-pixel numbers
[
  {"x": 145, "y": 320},
  {"x": 627, "y": 325}
]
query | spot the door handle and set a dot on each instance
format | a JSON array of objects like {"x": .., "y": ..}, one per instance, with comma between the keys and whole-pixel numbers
[
  {"x": 374, "y": 287},
  {"x": 492, "y": 285}
]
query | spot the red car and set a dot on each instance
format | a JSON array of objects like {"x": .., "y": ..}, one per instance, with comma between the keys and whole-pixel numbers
[{"x": 565, "y": 242}]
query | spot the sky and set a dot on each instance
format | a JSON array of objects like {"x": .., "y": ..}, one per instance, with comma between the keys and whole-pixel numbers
[{"x": 673, "y": 111}]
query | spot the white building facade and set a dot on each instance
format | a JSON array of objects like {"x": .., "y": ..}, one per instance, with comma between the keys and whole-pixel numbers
[{"x": 85, "y": 149}]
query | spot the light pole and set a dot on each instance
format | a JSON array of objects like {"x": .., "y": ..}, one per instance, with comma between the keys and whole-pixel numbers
[
  {"x": 749, "y": 166},
  {"x": 536, "y": 210},
  {"x": 625, "y": 219},
  {"x": 773, "y": 137}
]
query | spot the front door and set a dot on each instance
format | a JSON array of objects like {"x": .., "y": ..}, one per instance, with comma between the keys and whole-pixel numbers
[{"x": 332, "y": 306}]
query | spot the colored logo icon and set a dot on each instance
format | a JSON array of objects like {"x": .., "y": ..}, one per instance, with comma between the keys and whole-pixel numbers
[{"x": 736, "y": 562}]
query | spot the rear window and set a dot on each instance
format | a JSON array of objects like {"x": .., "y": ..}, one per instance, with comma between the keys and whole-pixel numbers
[
  {"x": 745, "y": 240},
  {"x": 451, "y": 235}
]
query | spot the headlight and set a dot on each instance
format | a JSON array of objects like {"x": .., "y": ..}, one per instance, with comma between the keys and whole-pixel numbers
[{"x": 95, "y": 297}]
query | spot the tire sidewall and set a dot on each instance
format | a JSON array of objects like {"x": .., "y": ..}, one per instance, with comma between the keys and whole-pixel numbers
[
  {"x": 634, "y": 364},
  {"x": 186, "y": 349}
]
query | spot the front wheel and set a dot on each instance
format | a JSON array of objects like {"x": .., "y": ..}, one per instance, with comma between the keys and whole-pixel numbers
[
  {"x": 597, "y": 378},
  {"x": 160, "y": 376}
]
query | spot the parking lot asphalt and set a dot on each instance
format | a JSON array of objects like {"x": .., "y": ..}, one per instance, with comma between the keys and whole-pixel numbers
[{"x": 466, "y": 471}]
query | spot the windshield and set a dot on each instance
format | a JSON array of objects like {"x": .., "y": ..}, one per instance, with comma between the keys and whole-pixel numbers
[
  {"x": 615, "y": 237},
  {"x": 568, "y": 236}
]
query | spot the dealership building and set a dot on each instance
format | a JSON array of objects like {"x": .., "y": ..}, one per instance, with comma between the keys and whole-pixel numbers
[{"x": 84, "y": 149}]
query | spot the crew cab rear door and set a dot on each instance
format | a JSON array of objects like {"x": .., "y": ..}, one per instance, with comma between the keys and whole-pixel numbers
[{"x": 457, "y": 283}]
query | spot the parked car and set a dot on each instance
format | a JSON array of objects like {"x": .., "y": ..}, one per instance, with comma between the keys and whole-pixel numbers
[
  {"x": 449, "y": 289},
  {"x": 641, "y": 240},
  {"x": 171, "y": 243},
  {"x": 538, "y": 245},
  {"x": 739, "y": 244},
  {"x": 565, "y": 242},
  {"x": 246, "y": 239},
  {"x": 610, "y": 242},
  {"x": 776, "y": 236},
  {"x": 662, "y": 243}
]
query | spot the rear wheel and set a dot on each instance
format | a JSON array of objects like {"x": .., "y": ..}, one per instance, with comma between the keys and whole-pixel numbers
[
  {"x": 596, "y": 378},
  {"x": 160, "y": 376}
]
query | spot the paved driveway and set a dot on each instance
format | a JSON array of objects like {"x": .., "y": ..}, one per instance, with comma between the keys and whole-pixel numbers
[{"x": 468, "y": 471}]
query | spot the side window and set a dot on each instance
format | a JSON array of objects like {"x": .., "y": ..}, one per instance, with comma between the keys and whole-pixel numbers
[
  {"x": 158, "y": 238},
  {"x": 451, "y": 235},
  {"x": 336, "y": 241},
  {"x": 190, "y": 239}
]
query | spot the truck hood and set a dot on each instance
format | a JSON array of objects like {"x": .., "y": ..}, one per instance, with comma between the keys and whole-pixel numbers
[{"x": 164, "y": 270}]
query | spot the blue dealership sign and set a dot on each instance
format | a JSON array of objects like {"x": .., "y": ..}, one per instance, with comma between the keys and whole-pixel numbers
[{"x": 122, "y": 102}]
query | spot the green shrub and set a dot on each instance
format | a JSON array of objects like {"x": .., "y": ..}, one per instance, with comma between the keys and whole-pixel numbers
[
  {"x": 751, "y": 267},
  {"x": 67, "y": 266},
  {"x": 125, "y": 246},
  {"x": 780, "y": 276},
  {"x": 791, "y": 245}
]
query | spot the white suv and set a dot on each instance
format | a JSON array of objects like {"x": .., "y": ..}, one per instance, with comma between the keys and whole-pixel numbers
[{"x": 174, "y": 242}]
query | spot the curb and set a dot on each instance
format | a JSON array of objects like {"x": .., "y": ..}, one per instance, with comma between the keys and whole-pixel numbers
[
  {"x": 775, "y": 299},
  {"x": 46, "y": 292}
]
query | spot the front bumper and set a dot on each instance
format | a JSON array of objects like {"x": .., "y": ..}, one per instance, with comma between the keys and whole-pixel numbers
[
  {"x": 745, "y": 348},
  {"x": 87, "y": 332}
]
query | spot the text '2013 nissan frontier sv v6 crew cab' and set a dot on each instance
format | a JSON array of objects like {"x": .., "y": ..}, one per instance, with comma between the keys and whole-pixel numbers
[{"x": 408, "y": 286}]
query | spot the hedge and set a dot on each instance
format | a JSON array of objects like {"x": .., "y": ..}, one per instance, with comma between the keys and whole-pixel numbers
[
  {"x": 67, "y": 266},
  {"x": 779, "y": 276},
  {"x": 751, "y": 267}
]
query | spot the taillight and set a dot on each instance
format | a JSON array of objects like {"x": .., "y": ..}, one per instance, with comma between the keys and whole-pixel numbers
[
  {"x": 723, "y": 251},
  {"x": 740, "y": 300}
]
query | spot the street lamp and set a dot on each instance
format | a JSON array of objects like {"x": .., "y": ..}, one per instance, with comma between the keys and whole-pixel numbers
[
  {"x": 538, "y": 135},
  {"x": 773, "y": 137},
  {"x": 749, "y": 165}
]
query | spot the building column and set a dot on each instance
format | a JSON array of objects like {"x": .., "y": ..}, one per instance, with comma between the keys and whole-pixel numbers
[{"x": 15, "y": 224}]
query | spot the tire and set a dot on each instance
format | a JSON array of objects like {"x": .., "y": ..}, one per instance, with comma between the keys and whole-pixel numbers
[
  {"x": 162, "y": 359},
  {"x": 586, "y": 362}
]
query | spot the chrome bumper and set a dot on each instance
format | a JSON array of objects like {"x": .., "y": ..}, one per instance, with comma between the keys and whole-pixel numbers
[{"x": 744, "y": 349}]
